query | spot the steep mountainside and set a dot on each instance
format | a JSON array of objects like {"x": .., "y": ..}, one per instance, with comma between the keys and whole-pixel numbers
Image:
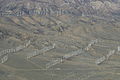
[{"x": 73, "y": 7}]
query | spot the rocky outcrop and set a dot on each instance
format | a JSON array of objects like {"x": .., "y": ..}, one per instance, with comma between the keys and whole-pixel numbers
[{"x": 48, "y": 7}]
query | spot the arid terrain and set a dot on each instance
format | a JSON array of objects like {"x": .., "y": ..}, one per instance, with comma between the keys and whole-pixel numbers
[{"x": 79, "y": 41}]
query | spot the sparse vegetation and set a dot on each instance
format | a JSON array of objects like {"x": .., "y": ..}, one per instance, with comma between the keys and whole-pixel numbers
[{"x": 85, "y": 34}]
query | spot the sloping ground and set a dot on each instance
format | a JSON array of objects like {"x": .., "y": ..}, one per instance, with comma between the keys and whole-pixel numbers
[
  {"x": 68, "y": 35},
  {"x": 71, "y": 7}
]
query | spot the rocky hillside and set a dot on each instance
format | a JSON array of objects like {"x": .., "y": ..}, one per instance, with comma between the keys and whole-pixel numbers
[
  {"x": 60, "y": 7},
  {"x": 59, "y": 39}
]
